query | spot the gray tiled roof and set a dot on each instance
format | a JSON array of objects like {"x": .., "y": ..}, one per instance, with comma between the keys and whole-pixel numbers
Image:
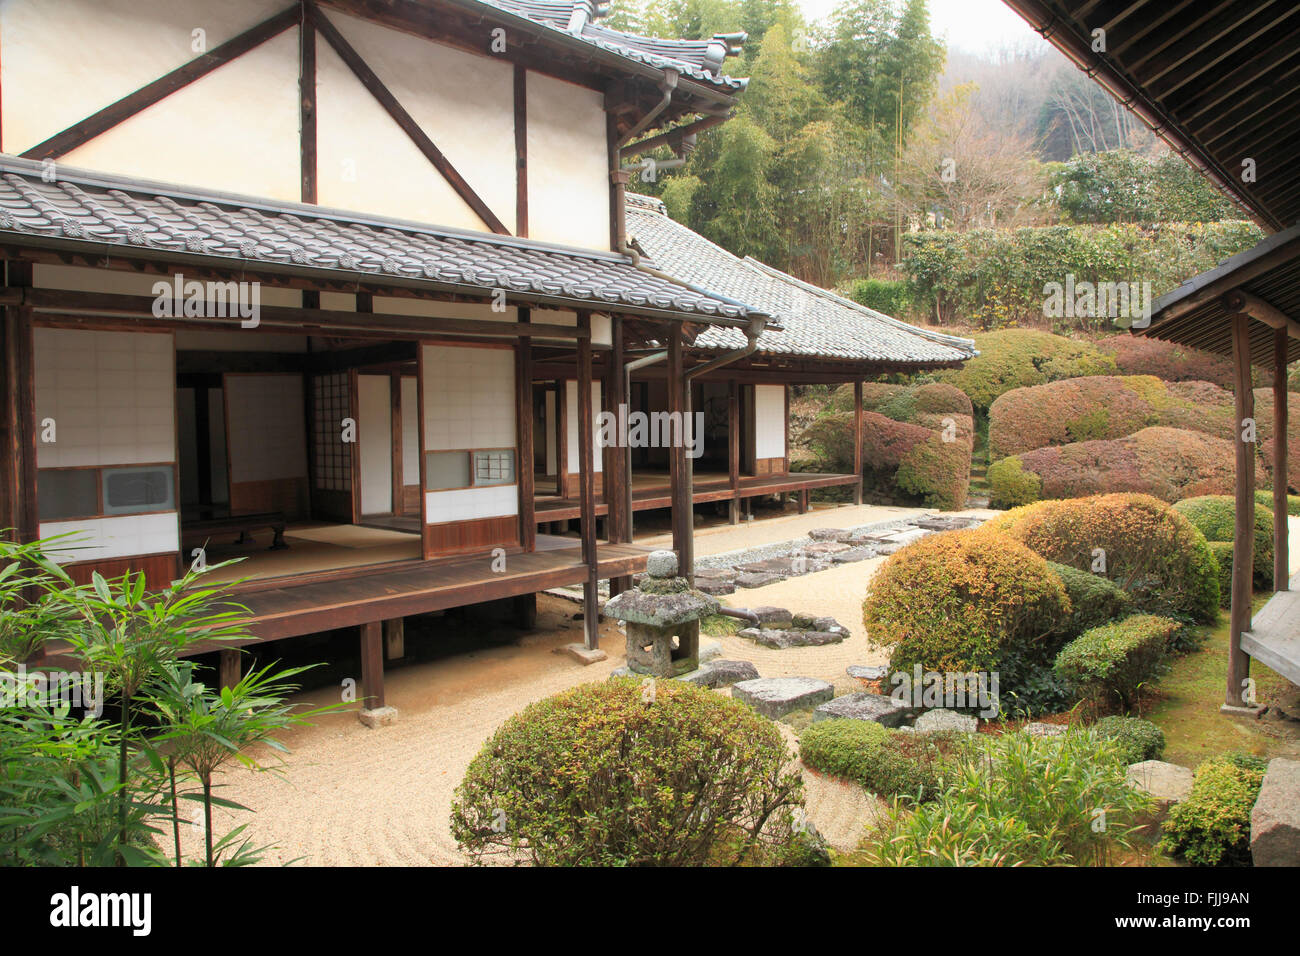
[
  {"x": 95, "y": 212},
  {"x": 699, "y": 59},
  {"x": 814, "y": 322}
]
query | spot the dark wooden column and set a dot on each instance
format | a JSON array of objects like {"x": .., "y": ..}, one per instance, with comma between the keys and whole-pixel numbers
[
  {"x": 1281, "y": 549},
  {"x": 372, "y": 666},
  {"x": 857, "y": 440},
  {"x": 733, "y": 450},
  {"x": 524, "y": 437},
  {"x": 562, "y": 437},
  {"x": 617, "y": 456},
  {"x": 679, "y": 463},
  {"x": 395, "y": 638},
  {"x": 587, "y": 489},
  {"x": 228, "y": 669},
  {"x": 18, "y": 426},
  {"x": 395, "y": 424},
  {"x": 1243, "y": 540},
  {"x": 307, "y": 108}
]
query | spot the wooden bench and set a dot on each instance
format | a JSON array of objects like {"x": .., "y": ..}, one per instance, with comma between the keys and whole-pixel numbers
[{"x": 197, "y": 532}]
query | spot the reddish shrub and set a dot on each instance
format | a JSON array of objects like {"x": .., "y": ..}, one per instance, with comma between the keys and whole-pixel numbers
[
  {"x": 1073, "y": 410},
  {"x": 1136, "y": 355}
]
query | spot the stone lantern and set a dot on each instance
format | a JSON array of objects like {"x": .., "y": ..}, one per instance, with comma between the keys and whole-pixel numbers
[{"x": 663, "y": 619}]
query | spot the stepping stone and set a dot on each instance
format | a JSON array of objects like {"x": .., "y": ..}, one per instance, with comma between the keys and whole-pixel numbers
[
  {"x": 714, "y": 574},
  {"x": 937, "y": 523},
  {"x": 773, "y": 617},
  {"x": 782, "y": 639},
  {"x": 828, "y": 534},
  {"x": 582, "y": 654},
  {"x": 824, "y": 549},
  {"x": 889, "y": 547},
  {"x": 777, "y": 696},
  {"x": 721, "y": 673},
  {"x": 715, "y": 587},
  {"x": 854, "y": 554},
  {"x": 778, "y": 565},
  {"x": 862, "y": 706},
  {"x": 1167, "y": 783},
  {"x": 1275, "y": 821},
  {"x": 938, "y": 720},
  {"x": 757, "y": 579},
  {"x": 868, "y": 672}
]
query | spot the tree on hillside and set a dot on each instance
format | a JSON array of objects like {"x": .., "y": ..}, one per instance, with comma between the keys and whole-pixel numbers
[{"x": 1122, "y": 186}]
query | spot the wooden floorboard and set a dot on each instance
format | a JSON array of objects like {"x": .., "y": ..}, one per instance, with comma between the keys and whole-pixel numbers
[{"x": 1274, "y": 635}]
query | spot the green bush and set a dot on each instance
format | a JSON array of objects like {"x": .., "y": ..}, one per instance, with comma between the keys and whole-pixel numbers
[
  {"x": 889, "y": 296},
  {"x": 1015, "y": 358},
  {"x": 1215, "y": 515},
  {"x": 889, "y": 763},
  {"x": 1094, "y": 599},
  {"x": 1010, "y": 485},
  {"x": 959, "y": 601},
  {"x": 626, "y": 773},
  {"x": 1212, "y": 826},
  {"x": 1022, "y": 800},
  {"x": 1117, "y": 659},
  {"x": 1222, "y": 551},
  {"x": 1140, "y": 739},
  {"x": 1148, "y": 549},
  {"x": 1264, "y": 499}
]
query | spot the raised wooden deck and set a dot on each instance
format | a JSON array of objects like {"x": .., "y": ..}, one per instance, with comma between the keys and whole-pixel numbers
[
  {"x": 1274, "y": 635},
  {"x": 656, "y": 495}
]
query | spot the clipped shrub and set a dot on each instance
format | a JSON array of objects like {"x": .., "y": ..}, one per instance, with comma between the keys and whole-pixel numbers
[
  {"x": 1214, "y": 516},
  {"x": 1094, "y": 599},
  {"x": 1016, "y": 358},
  {"x": 1264, "y": 499},
  {"x": 959, "y": 601},
  {"x": 601, "y": 776},
  {"x": 1010, "y": 485},
  {"x": 1114, "y": 660},
  {"x": 1138, "y": 355},
  {"x": 1168, "y": 463},
  {"x": 1036, "y": 808},
  {"x": 889, "y": 296},
  {"x": 1073, "y": 410},
  {"x": 938, "y": 471},
  {"x": 1222, "y": 551},
  {"x": 889, "y": 763},
  {"x": 1140, "y": 739},
  {"x": 1212, "y": 826},
  {"x": 1148, "y": 549}
]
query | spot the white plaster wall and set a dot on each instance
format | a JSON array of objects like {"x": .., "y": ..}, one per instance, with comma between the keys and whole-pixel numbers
[
  {"x": 568, "y": 164},
  {"x": 571, "y": 428},
  {"x": 469, "y": 402},
  {"x": 266, "y": 432},
  {"x": 112, "y": 396},
  {"x": 769, "y": 421},
  {"x": 117, "y": 537},
  {"x": 375, "y": 443}
]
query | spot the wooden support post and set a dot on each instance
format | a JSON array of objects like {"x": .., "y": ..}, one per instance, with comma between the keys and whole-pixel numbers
[
  {"x": 395, "y": 429},
  {"x": 524, "y": 437},
  {"x": 857, "y": 440},
  {"x": 679, "y": 475},
  {"x": 18, "y": 425},
  {"x": 395, "y": 638},
  {"x": 733, "y": 450},
  {"x": 804, "y": 503},
  {"x": 228, "y": 669},
  {"x": 587, "y": 490},
  {"x": 525, "y": 611},
  {"x": 1243, "y": 540},
  {"x": 1281, "y": 549},
  {"x": 562, "y": 438},
  {"x": 372, "y": 666},
  {"x": 618, "y": 459}
]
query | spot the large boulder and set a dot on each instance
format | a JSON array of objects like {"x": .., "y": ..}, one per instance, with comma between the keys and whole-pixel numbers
[
  {"x": 1275, "y": 820},
  {"x": 862, "y": 706},
  {"x": 939, "y": 720},
  {"x": 777, "y": 696}
]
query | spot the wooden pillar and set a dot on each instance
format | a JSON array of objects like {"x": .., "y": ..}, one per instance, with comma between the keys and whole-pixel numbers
[
  {"x": 587, "y": 488},
  {"x": 804, "y": 503},
  {"x": 372, "y": 666},
  {"x": 524, "y": 437},
  {"x": 618, "y": 458},
  {"x": 857, "y": 440},
  {"x": 733, "y": 450},
  {"x": 1281, "y": 549},
  {"x": 679, "y": 463},
  {"x": 525, "y": 611},
  {"x": 395, "y": 638},
  {"x": 228, "y": 669},
  {"x": 18, "y": 425},
  {"x": 562, "y": 438},
  {"x": 395, "y": 423},
  {"x": 1243, "y": 540}
]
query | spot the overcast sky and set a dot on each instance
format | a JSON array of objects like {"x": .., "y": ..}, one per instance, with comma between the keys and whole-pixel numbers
[{"x": 976, "y": 26}]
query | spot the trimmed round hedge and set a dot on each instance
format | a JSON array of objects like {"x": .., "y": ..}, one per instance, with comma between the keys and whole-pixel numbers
[
  {"x": 1114, "y": 660},
  {"x": 1016, "y": 358},
  {"x": 1149, "y": 549},
  {"x": 961, "y": 601},
  {"x": 1214, "y": 516},
  {"x": 1140, "y": 739},
  {"x": 889, "y": 763},
  {"x": 1094, "y": 599},
  {"x": 612, "y": 774}
]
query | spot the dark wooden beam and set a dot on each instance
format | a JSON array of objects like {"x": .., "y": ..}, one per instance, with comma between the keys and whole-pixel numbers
[
  {"x": 307, "y": 105},
  {"x": 1281, "y": 547},
  {"x": 587, "y": 490},
  {"x": 857, "y": 440},
  {"x": 87, "y": 129},
  {"x": 1243, "y": 539},
  {"x": 524, "y": 441},
  {"x": 403, "y": 119},
  {"x": 521, "y": 151},
  {"x": 372, "y": 666}
]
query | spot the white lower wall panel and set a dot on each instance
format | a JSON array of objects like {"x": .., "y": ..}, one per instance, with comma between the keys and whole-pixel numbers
[{"x": 119, "y": 537}]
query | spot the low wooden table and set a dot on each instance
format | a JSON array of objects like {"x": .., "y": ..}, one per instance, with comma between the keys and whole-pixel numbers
[{"x": 196, "y": 532}]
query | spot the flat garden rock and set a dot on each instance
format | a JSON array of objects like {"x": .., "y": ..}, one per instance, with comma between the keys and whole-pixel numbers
[
  {"x": 757, "y": 579},
  {"x": 940, "y": 523},
  {"x": 871, "y": 672},
  {"x": 829, "y": 534},
  {"x": 939, "y": 720},
  {"x": 1275, "y": 820},
  {"x": 1166, "y": 783},
  {"x": 823, "y": 549},
  {"x": 854, "y": 554},
  {"x": 721, "y": 673},
  {"x": 776, "y": 696},
  {"x": 862, "y": 706},
  {"x": 716, "y": 588},
  {"x": 774, "y": 617},
  {"x": 792, "y": 637}
]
